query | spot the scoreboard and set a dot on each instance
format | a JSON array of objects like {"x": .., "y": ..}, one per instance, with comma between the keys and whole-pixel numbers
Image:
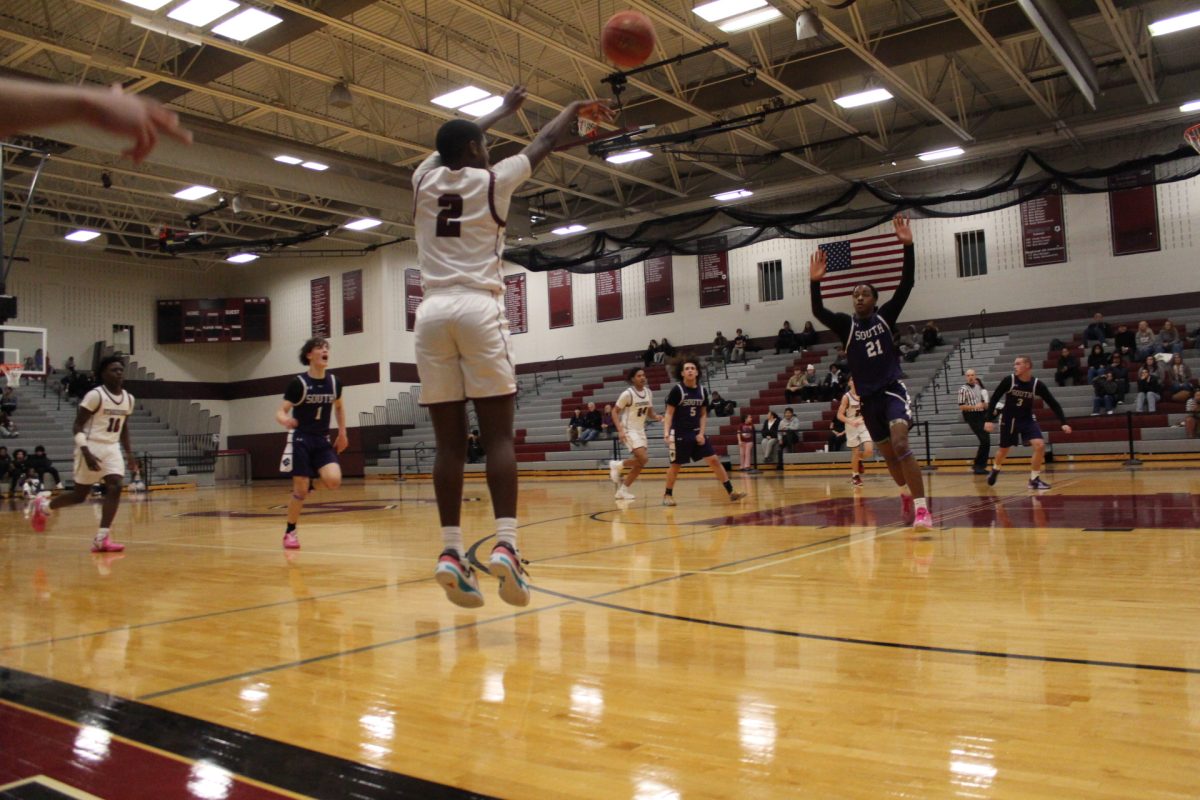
[{"x": 222, "y": 319}]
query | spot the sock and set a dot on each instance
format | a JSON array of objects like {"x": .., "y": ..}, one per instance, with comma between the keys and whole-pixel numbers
[
  {"x": 1034, "y": 475},
  {"x": 101, "y": 535},
  {"x": 506, "y": 531},
  {"x": 995, "y": 467},
  {"x": 668, "y": 492},
  {"x": 919, "y": 503},
  {"x": 291, "y": 528},
  {"x": 452, "y": 538},
  {"x": 728, "y": 486}
]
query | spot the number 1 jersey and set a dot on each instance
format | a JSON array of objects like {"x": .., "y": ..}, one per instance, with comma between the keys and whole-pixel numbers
[{"x": 459, "y": 216}]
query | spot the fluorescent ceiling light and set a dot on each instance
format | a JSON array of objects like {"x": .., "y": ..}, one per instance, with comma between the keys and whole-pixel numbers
[
  {"x": 250, "y": 22},
  {"x": 720, "y": 9},
  {"x": 195, "y": 192},
  {"x": 202, "y": 12},
  {"x": 628, "y": 155},
  {"x": 81, "y": 236},
  {"x": 1192, "y": 106},
  {"x": 485, "y": 106},
  {"x": 149, "y": 5},
  {"x": 317, "y": 166},
  {"x": 864, "y": 98},
  {"x": 242, "y": 258},
  {"x": 1178, "y": 23},
  {"x": 752, "y": 20},
  {"x": 362, "y": 224},
  {"x": 568, "y": 229},
  {"x": 288, "y": 159},
  {"x": 733, "y": 195},
  {"x": 460, "y": 97},
  {"x": 938, "y": 155}
]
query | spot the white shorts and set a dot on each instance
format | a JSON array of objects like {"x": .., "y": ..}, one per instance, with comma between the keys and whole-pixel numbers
[
  {"x": 463, "y": 347},
  {"x": 856, "y": 435},
  {"x": 112, "y": 462},
  {"x": 634, "y": 439}
]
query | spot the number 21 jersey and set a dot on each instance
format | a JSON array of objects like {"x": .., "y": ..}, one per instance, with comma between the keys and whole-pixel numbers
[
  {"x": 459, "y": 216},
  {"x": 872, "y": 355}
]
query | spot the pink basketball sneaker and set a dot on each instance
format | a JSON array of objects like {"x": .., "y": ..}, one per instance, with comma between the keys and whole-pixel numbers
[
  {"x": 923, "y": 520},
  {"x": 291, "y": 541},
  {"x": 106, "y": 545},
  {"x": 41, "y": 511}
]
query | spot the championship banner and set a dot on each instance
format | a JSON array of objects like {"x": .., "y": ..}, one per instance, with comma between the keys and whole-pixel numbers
[
  {"x": 558, "y": 283},
  {"x": 514, "y": 303},
  {"x": 1043, "y": 233},
  {"x": 713, "y": 263},
  {"x": 319, "y": 294},
  {"x": 660, "y": 285},
  {"x": 609, "y": 305}
]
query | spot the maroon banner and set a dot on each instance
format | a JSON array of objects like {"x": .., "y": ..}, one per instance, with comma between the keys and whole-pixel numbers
[
  {"x": 558, "y": 284},
  {"x": 713, "y": 262},
  {"x": 514, "y": 303},
  {"x": 319, "y": 291},
  {"x": 414, "y": 292},
  {"x": 352, "y": 302},
  {"x": 1133, "y": 210},
  {"x": 1043, "y": 232},
  {"x": 660, "y": 285},
  {"x": 609, "y": 305}
]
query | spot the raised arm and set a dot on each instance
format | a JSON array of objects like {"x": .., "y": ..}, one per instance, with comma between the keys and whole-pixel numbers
[
  {"x": 836, "y": 322},
  {"x": 890, "y": 310},
  {"x": 537, "y": 150}
]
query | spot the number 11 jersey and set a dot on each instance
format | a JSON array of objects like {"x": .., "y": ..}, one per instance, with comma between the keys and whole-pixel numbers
[{"x": 459, "y": 216}]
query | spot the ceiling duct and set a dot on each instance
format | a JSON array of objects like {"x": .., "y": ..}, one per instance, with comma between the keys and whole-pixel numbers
[{"x": 1054, "y": 27}]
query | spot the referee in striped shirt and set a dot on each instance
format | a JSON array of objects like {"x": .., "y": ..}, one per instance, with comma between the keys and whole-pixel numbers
[{"x": 973, "y": 402}]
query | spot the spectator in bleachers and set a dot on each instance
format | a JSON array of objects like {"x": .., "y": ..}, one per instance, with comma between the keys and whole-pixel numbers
[
  {"x": 650, "y": 354},
  {"x": 8, "y": 401},
  {"x": 591, "y": 424},
  {"x": 1120, "y": 375},
  {"x": 606, "y": 422},
  {"x": 720, "y": 406},
  {"x": 1179, "y": 384},
  {"x": 1124, "y": 341},
  {"x": 807, "y": 338},
  {"x": 751, "y": 347},
  {"x": 810, "y": 385},
  {"x": 1145, "y": 343},
  {"x": 791, "y": 392},
  {"x": 40, "y": 463},
  {"x": 740, "y": 342},
  {"x": 840, "y": 359},
  {"x": 931, "y": 337},
  {"x": 1098, "y": 331},
  {"x": 1097, "y": 362},
  {"x": 789, "y": 429},
  {"x": 786, "y": 341},
  {"x": 1067, "y": 369},
  {"x": 720, "y": 351},
  {"x": 474, "y": 447},
  {"x": 768, "y": 447},
  {"x": 834, "y": 384},
  {"x": 1149, "y": 391},
  {"x": 70, "y": 365},
  {"x": 8, "y": 428},
  {"x": 575, "y": 426},
  {"x": 909, "y": 344},
  {"x": 5, "y": 464},
  {"x": 1155, "y": 368},
  {"x": 1104, "y": 393},
  {"x": 746, "y": 443},
  {"x": 668, "y": 350},
  {"x": 1169, "y": 340},
  {"x": 1193, "y": 414},
  {"x": 16, "y": 473},
  {"x": 973, "y": 403}
]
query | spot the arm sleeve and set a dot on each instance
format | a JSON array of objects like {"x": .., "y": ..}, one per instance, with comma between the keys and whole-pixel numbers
[
  {"x": 1001, "y": 391},
  {"x": 1043, "y": 392},
  {"x": 295, "y": 391},
  {"x": 890, "y": 310},
  {"x": 837, "y": 322},
  {"x": 675, "y": 396},
  {"x": 91, "y": 401}
]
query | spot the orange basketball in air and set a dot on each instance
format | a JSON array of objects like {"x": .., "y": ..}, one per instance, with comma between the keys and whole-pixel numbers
[{"x": 627, "y": 39}]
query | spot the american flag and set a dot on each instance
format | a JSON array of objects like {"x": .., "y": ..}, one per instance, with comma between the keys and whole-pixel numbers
[{"x": 871, "y": 259}]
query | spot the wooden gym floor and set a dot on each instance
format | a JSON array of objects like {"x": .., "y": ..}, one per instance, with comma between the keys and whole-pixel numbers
[{"x": 800, "y": 643}]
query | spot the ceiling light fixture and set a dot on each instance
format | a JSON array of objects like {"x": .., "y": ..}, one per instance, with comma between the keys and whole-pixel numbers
[
  {"x": 566, "y": 230},
  {"x": 250, "y": 22},
  {"x": 864, "y": 98},
  {"x": 202, "y": 12},
  {"x": 1187, "y": 108},
  {"x": 732, "y": 195},
  {"x": 460, "y": 97},
  {"x": 289, "y": 160},
  {"x": 242, "y": 258},
  {"x": 149, "y": 5},
  {"x": 480, "y": 107},
  {"x": 721, "y": 9},
  {"x": 81, "y": 235},
  {"x": 363, "y": 224},
  {"x": 195, "y": 192},
  {"x": 1180, "y": 22},
  {"x": 625, "y": 156},
  {"x": 745, "y": 22},
  {"x": 941, "y": 155},
  {"x": 340, "y": 96},
  {"x": 315, "y": 166}
]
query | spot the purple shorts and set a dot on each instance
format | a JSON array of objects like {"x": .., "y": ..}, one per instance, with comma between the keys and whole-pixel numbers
[
  {"x": 881, "y": 409},
  {"x": 1019, "y": 431},
  {"x": 685, "y": 449},
  {"x": 309, "y": 453}
]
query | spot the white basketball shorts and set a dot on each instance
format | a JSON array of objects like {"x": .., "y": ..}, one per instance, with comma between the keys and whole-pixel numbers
[
  {"x": 857, "y": 435},
  {"x": 634, "y": 439},
  {"x": 112, "y": 462},
  {"x": 463, "y": 347}
]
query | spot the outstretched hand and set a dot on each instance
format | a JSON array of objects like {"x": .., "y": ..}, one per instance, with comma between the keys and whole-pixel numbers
[
  {"x": 817, "y": 264},
  {"x": 1066, "y": 429},
  {"x": 596, "y": 110},
  {"x": 513, "y": 99},
  {"x": 903, "y": 231},
  {"x": 140, "y": 118}
]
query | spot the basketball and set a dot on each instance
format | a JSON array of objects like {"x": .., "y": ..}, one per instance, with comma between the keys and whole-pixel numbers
[{"x": 627, "y": 39}]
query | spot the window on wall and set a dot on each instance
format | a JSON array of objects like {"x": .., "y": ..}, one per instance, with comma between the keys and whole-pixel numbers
[
  {"x": 770, "y": 280},
  {"x": 972, "y": 254}
]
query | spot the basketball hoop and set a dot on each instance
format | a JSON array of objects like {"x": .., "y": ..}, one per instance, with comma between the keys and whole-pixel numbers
[
  {"x": 12, "y": 373},
  {"x": 1192, "y": 137}
]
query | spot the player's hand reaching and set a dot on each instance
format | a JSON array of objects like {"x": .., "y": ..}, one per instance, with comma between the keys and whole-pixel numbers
[
  {"x": 990, "y": 426},
  {"x": 903, "y": 231},
  {"x": 817, "y": 264},
  {"x": 514, "y": 98},
  {"x": 1066, "y": 429},
  {"x": 141, "y": 118},
  {"x": 342, "y": 442},
  {"x": 595, "y": 110}
]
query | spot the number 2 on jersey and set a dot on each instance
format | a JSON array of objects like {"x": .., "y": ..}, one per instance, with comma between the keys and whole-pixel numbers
[
  {"x": 448, "y": 223},
  {"x": 874, "y": 348}
]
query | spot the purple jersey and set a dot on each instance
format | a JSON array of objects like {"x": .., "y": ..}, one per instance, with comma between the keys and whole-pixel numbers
[
  {"x": 1018, "y": 402},
  {"x": 689, "y": 404},
  {"x": 872, "y": 355},
  {"x": 312, "y": 401}
]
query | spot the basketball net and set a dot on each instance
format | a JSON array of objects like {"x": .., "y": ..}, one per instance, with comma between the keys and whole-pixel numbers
[
  {"x": 12, "y": 373},
  {"x": 1192, "y": 137}
]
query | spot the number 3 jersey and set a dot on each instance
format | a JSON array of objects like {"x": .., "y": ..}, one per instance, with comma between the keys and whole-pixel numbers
[
  {"x": 459, "y": 216},
  {"x": 312, "y": 401},
  {"x": 109, "y": 415}
]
